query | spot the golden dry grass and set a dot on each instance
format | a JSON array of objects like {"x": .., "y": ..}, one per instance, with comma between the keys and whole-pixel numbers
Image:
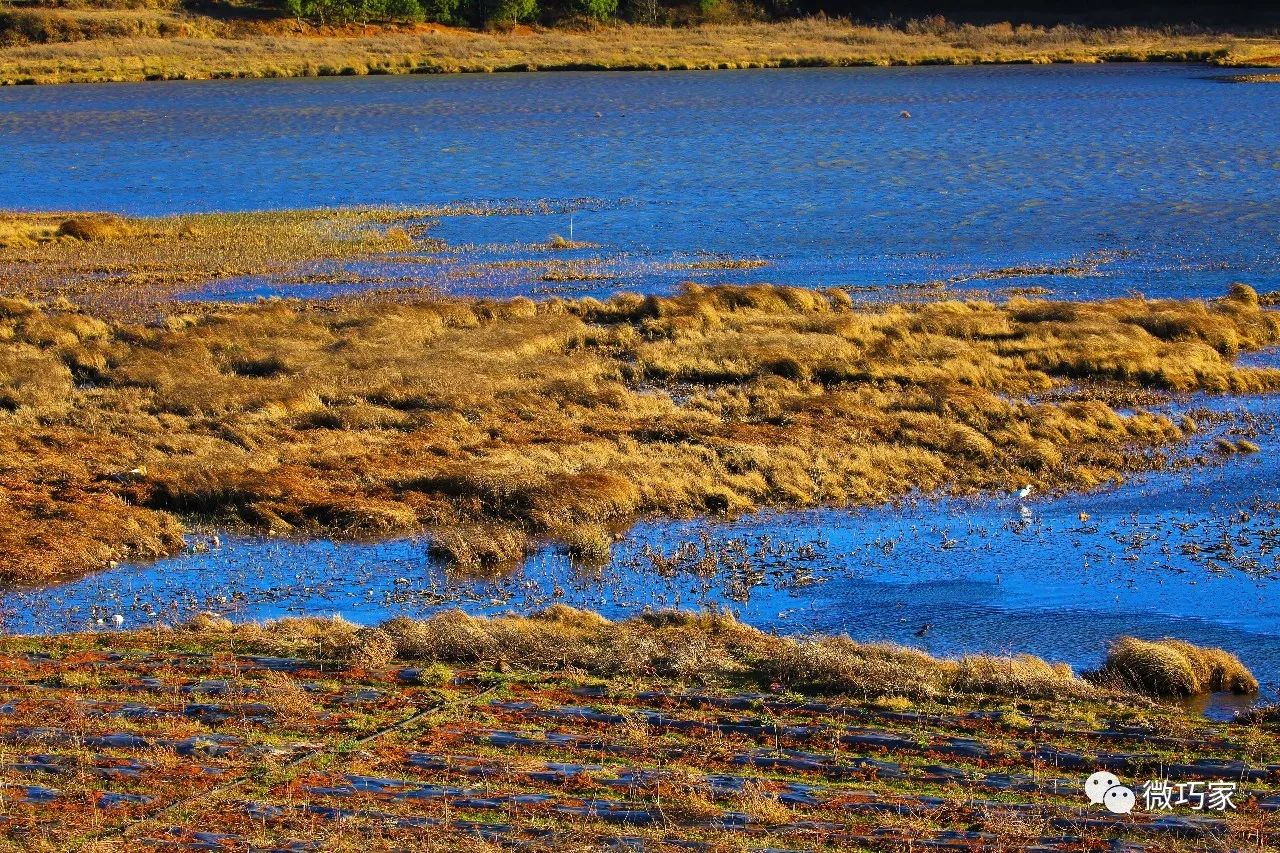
[
  {"x": 711, "y": 647},
  {"x": 688, "y": 647},
  {"x": 494, "y": 426},
  {"x": 172, "y": 44},
  {"x": 1175, "y": 668}
]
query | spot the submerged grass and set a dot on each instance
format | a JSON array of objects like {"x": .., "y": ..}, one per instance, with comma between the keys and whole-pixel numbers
[
  {"x": 494, "y": 426},
  {"x": 173, "y": 43},
  {"x": 122, "y": 264}
]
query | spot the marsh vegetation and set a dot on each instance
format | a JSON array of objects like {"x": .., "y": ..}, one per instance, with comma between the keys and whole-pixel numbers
[
  {"x": 496, "y": 425},
  {"x": 715, "y": 648},
  {"x": 129, "y": 264},
  {"x": 563, "y": 731},
  {"x": 40, "y": 44}
]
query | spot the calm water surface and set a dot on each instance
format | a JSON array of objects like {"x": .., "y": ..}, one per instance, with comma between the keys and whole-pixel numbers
[
  {"x": 1156, "y": 178},
  {"x": 1149, "y": 177}
]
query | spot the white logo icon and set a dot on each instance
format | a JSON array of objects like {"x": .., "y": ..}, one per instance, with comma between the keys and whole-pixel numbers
[
  {"x": 1097, "y": 784},
  {"x": 1119, "y": 799},
  {"x": 1104, "y": 788}
]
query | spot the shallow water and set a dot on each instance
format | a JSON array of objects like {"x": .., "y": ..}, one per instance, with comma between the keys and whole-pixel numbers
[
  {"x": 1190, "y": 554},
  {"x": 1152, "y": 177}
]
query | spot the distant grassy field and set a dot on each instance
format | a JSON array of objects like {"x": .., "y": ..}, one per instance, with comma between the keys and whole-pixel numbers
[
  {"x": 165, "y": 41},
  {"x": 566, "y": 732},
  {"x": 497, "y": 426}
]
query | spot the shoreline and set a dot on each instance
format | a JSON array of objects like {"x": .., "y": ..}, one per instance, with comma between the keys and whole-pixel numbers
[
  {"x": 783, "y": 64},
  {"x": 808, "y": 43},
  {"x": 683, "y": 729}
]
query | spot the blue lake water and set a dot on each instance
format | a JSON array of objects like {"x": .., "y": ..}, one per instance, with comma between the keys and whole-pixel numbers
[
  {"x": 1157, "y": 178},
  {"x": 1160, "y": 178}
]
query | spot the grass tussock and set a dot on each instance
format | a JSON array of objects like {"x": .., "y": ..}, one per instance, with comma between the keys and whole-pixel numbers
[
  {"x": 686, "y": 647},
  {"x": 557, "y": 243},
  {"x": 170, "y": 42},
  {"x": 497, "y": 426},
  {"x": 838, "y": 664},
  {"x": 1174, "y": 668},
  {"x": 93, "y": 229}
]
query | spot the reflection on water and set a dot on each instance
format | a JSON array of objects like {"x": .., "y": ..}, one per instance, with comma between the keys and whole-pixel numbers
[
  {"x": 1164, "y": 175},
  {"x": 1193, "y": 556},
  {"x": 1219, "y": 706}
]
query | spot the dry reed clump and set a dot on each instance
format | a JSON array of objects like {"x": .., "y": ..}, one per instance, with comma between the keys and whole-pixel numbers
[
  {"x": 685, "y": 796},
  {"x": 559, "y": 243},
  {"x": 840, "y": 665},
  {"x": 24, "y": 231},
  {"x": 703, "y": 647},
  {"x": 1170, "y": 667},
  {"x": 372, "y": 647},
  {"x": 756, "y": 802},
  {"x": 497, "y": 426},
  {"x": 1021, "y": 675},
  {"x": 289, "y": 701},
  {"x": 209, "y": 623},
  {"x": 303, "y": 636},
  {"x": 92, "y": 229}
]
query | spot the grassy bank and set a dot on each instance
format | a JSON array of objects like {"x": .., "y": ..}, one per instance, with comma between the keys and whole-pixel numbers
[
  {"x": 716, "y": 648},
  {"x": 172, "y": 43},
  {"x": 497, "y": 426},
  {"x": 568, "y": 732}
]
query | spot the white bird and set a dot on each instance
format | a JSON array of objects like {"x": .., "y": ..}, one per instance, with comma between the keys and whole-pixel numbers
[
  {"x": 117, "y": 620},
  {"x": 1023, "y": 492},
  {"x": 100, "y": 622}
]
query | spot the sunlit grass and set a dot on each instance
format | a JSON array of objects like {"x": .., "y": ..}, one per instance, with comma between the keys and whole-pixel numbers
[
  {"x": 1175, "y": 668},
  {"x": 169, "y": 44},
  {"x": 128, "y": 263},
  {"x": 497, "y": 426},
  {"x": 702, "y": 647}
]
